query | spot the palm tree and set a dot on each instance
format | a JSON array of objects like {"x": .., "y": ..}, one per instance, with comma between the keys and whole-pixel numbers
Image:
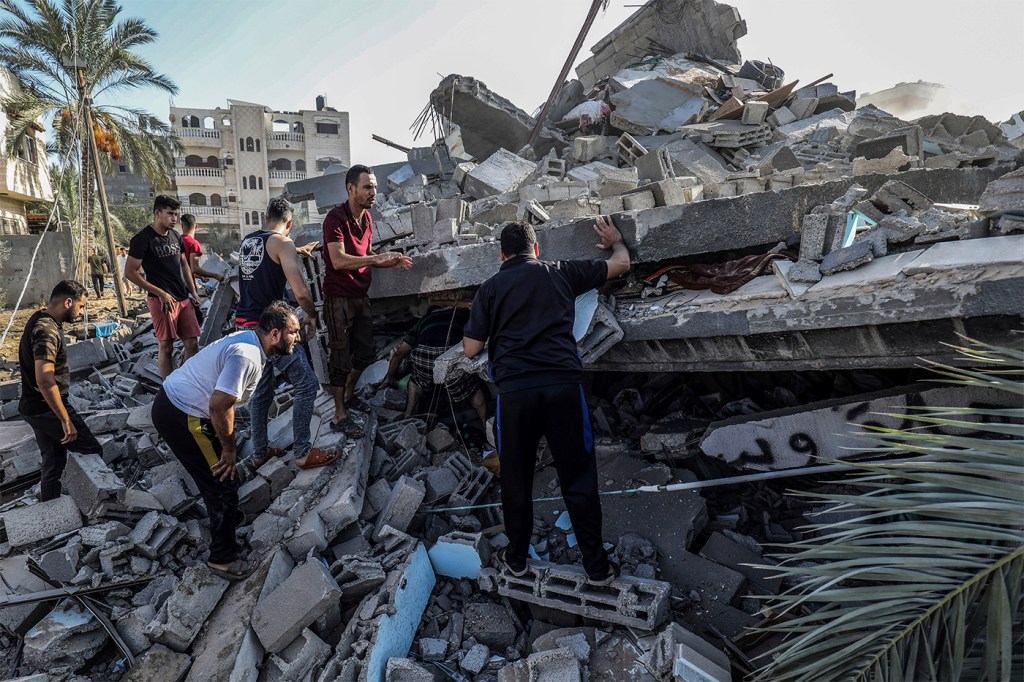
[
  {"x": 924, "y": 582},
  {"x": 40, "y": 46}
]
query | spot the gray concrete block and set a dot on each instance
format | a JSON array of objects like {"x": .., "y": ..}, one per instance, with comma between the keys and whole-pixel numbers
[
  {"x": 67, "y": 637},
  {"x": 405, "y": 498},
  {"x": 754, "y": 113},
  {"x": 475, "y": 659},
  {"x": 90, "y": 482},
  {"x": 303, "y": 597},
  {"x": 159, "y": 664},
  {"x": 183, "y": 614},
  {"x": 406, "y": 670},
  {"x": 132, "y": 626},
  {"x": 847, "y": 258},
  {"x": 503, "y": 171},
  {"x": 25, "y": 525},
  {"x": 433, "y": 649},
  {"x": 490, "y": 624}
]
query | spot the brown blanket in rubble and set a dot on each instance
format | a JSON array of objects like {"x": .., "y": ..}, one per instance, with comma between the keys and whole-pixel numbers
[{"x": 721, "y": 278}]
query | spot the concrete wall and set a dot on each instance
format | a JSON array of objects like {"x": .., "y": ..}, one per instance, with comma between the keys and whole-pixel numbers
[{"x": 54, "y": 262}]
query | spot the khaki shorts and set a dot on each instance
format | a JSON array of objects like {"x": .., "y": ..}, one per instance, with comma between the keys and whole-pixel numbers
[{"x": 349, "y": 335}]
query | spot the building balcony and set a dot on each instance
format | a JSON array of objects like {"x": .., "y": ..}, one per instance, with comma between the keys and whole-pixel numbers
[
  {"x": 286, "y": 176},
  {"x": 286, "y": 141},
  {"x": 25, "y": 181},
  {"x": 209, "y": 211},
  {"x": 196, "y": 176},
  {"x": 199, "y": 137}
]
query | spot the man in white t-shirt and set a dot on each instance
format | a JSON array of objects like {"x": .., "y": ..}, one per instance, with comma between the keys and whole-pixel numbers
[{"x": 194, "y": 413}]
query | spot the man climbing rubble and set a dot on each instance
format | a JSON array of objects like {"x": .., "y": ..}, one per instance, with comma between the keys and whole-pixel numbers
[
  {"x": 436, "y": 332},
  {"x": 525, "y": 313},
  {"x": 348, "y": 257},
  {"x": 45, "y": 382},
  {"x": 269, "y": 260},
  {"x": 194, "y": 414}
]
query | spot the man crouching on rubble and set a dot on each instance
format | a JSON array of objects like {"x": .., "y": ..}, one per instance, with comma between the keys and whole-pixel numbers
[
  {"x": 194, "y": 413},
  {"x": 525, "y": 313},
  {"x": 45, "y": 381}
]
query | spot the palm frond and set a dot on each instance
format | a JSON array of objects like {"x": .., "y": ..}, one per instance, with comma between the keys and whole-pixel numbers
[{"x": 925, "y": 582}]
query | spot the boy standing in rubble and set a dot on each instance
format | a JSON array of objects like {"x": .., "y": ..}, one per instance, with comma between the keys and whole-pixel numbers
[
  {"x": 194, "y": 413},
  {"x": 45, "y": 382},
  {"x": 525, "y": 313}
]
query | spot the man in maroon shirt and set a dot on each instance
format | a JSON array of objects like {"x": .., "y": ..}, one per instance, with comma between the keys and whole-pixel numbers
[{"x": 348, "y": 257}]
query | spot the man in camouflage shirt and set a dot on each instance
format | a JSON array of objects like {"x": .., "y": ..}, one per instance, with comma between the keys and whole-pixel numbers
[{"x": 45, "y": 381}]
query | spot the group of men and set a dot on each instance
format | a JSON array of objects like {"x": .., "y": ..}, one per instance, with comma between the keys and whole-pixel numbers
[{"x": 524, "y": 315}]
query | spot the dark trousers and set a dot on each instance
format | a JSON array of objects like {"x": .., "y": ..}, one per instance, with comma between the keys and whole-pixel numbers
[
  {"x": 194, "y": 442},
  {"x": 559, "y": 413},
  {"x": 97, "y": 284},
  {"x": 49, "y": 434}
]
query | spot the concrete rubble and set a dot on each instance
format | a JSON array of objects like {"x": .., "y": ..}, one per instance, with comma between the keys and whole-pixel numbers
[{"x": 794, "y": 256}]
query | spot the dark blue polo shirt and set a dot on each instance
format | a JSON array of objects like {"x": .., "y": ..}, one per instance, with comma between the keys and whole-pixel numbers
[{"x": 525, "y": 313}]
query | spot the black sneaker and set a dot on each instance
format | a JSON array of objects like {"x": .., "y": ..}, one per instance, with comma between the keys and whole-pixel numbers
[
  {"x": 608, "y": 578},
  {"x": 503, "y": 564}
]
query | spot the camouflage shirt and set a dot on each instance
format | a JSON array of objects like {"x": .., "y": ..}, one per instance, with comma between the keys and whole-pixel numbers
[{"x": 43, "y": 339}]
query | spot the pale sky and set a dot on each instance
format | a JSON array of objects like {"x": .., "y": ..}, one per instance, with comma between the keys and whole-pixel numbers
[{"x": 380, "y": 60}]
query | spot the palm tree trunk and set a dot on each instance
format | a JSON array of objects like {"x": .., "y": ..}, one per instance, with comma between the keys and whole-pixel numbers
[{"x": 87, "y": 199}]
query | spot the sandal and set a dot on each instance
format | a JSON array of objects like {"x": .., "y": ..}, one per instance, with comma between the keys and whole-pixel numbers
[
  {"x": 318, "y": 458},
  {"x": 238, "y": 570},
  {"x": 271, "y": 454},
  {"x": 355, "y": 403},
  {"x": 349, "y": 427}
]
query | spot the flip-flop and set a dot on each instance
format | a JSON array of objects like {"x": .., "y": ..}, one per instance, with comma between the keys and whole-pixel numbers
[
  {"x": 319, "y": 458},
  {"x": 349, "y": 427},
  {"x": 239, "y": 569}
]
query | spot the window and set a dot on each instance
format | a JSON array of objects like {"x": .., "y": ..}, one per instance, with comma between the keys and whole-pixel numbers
[
  {"x": 228, "y": 161},
  {"x": 324, "y": 162},
  {"x": 193, "y": 161},
  {"x": 261, "y": 182},
  {"x": 226, "y": 122},
  {"x": 197, "y": 199},
  {"x": 257, "y": 144},
  {"x": 241, "y": 145},
  {"x": 232, "y": 198},
  {"x": 248, "y": 144},
  {"x": 245, "y": 182},
  {"x": 300, "y": 165},
  {"x": 190, "y": 122},
  {"x": 255, "y": 218},
  {"x": 280, "y": 126},
  {"x": 208, "y": 122},
  {"x": 30, "y": 149},
  {"x": 327, "y": 128},
  {"x": 297, "y": 127},
  {"x": 281, "y": 164},
  {"x": 247, "y": 219},
  {"x": 152, "y": 195},
  {"x": 263, "y": 217},
  {"x": 121, "y": 168},
  {"x": 213, "y": 162},
  {"x": 215, "y": 200},
  {"x": 252, "y": 182}
]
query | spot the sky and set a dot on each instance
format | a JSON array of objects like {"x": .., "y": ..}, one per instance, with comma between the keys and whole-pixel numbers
[{"x": 380, "y": 60}]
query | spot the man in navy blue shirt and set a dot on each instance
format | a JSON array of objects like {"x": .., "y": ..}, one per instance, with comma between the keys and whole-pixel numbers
[{"x": 525, "y": 314}]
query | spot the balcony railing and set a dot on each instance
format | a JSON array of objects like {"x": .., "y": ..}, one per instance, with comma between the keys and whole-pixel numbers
[
  {"x": 287, "y": 137},
  {"x": 199, "y": 172},
  {"x": 287, "y": 175},
  {"x": 203, "y": 210},
  {"x": 198, "y": 132}
]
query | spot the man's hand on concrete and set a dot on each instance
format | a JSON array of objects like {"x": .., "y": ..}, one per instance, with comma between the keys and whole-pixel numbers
[
  {"x": 70, "y": 432},
  {"x": 607, "y": 232},
  {"x": 224, "y": 469},
  {"x": 404, "y": 262}
]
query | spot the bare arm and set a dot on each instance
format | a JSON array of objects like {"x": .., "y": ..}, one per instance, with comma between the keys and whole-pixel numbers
[
  {"x": 222, "y": 414},
  {"x": 400, "y": 354},
  {"x": 193, "y": 262},
  {"x": 186, "y": 274},
  {"x": 611, "y": 238},
  {"x": 47, "y": 383},
  {"x": 284, "y": 251},
  {"x": 472, "y": 347},
  {"x": 132, "y": 274}
]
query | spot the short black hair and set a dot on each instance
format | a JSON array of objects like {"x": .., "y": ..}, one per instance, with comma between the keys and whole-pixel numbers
[
  {"x": 275, "y": 316},
  {"x": 67, "y": 288},
  {"x": 188, "y": 221},
  {"x": 517, "y": 238},
  {"x": 163, "y": 201},
  {"x": 279, "y": 210},
  {"x": 352, "y": 176}
]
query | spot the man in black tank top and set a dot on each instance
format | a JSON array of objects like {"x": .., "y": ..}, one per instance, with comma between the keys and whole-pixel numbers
[{"x": 269, "y": 260}]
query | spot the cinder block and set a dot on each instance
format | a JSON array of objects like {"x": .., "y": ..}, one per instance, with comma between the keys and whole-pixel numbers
[
  {"x": 42, "y": 521},
  {"x": 401, "y": 506},
  {"x": 754, "y": 113},
  {"x": 304, "y": 596},
  {"x": 90, "y": 482},
  {"x": 183, "y": 614},
  {"x": 638, "y": 201}
]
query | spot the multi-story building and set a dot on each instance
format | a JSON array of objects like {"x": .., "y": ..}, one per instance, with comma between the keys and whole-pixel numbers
[
  {"x": 235, "y": 159},
  {"x": 26, "y": 176}
]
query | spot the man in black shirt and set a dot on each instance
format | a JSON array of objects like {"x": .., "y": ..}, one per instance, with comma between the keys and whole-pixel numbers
[
  {"x": 97, "y": 270},
  {"x": 45, "y": 380},
  {"x": 525, "y": 313},
  {"x": 435, "y": 333},
  {"x": 158, "y": 249}
]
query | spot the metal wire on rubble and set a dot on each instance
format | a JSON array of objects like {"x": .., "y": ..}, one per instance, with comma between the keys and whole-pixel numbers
[
  {"x": 678, "y": 487},
  {"x": 55, "y": 211}
]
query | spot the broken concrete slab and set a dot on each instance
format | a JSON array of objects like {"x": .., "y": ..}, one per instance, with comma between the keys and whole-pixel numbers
[
  {"x": 25, "y": 525},
  {"x": 303, "y": 597},
  {"x": 64, "y": 640},
  {"x": 405, "y": 498},
  {"x": 968, "y": 254},
  {"x": 657, "y": 104},
  {"x": 183, "y": 614},
  {"x": 502, "y": 172},
  {"x": 159, "y": 664}
]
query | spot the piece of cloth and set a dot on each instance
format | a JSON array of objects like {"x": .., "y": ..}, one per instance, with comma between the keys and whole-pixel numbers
[
  {"x": 525, "y": 313},
  {"x": 341, "y": 226},
  {"x": 300, "y": 375},
  {"x": 121, "y": 261},
  {"x": 232, "y": 364},
  {"x": 721, "y": 278},
  {"x": 191, "y": 245},
  {"x": 349, "y": 336},
  {"x": 161, "y": 260},
  {"x": 97, "y": 285},
  {"x": 422, "y": 359},
  {"x": 96, "y": 264},
  {"x": 43, "y": 339},
  {"x": 194, "y": 442},
  {"x": 178, "y": 323},
  {"x": 559, "y": 413},
  {"x": 53, "y": 454},
  {"x": 441, "y": 327},
  {"x": 261, "y": 280}
]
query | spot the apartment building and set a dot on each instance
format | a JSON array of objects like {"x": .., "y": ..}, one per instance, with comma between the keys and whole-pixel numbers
[
  {"x": 26, "y": 175},
  {"x": 236, "y": 159}
]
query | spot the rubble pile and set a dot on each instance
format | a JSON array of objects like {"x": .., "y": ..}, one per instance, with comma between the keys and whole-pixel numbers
[{"x": 794, "y": 254}]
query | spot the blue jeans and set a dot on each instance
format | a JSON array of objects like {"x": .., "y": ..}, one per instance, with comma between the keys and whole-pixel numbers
[{"x": 299, "y": 373}]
